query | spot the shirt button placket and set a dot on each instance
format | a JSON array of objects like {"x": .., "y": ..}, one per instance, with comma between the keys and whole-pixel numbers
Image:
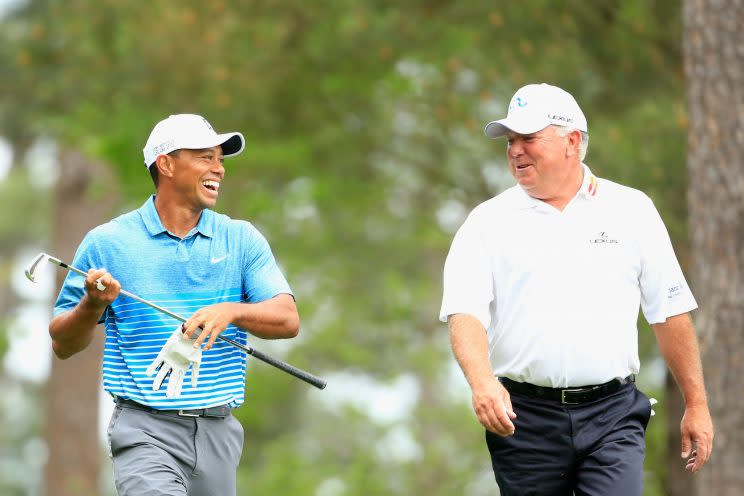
[{"x": 182, "y": 252}]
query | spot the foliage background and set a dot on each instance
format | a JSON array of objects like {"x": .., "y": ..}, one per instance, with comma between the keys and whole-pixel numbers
[{"x": 365, "y": 152}]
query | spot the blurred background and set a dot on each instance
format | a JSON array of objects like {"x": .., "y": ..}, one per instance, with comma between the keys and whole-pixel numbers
[{"x": 365, "y": 152}]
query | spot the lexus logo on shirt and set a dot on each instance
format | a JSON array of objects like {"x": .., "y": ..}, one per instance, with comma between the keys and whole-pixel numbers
[{"x": 602, "y": 237}]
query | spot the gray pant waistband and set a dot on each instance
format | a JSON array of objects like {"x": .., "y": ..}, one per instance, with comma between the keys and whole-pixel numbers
[{"x": 220, "y": 411}]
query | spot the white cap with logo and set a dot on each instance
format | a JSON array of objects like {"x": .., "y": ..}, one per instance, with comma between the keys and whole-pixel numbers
[
  {"x": 535, "y": 107},
  {"x": 189, "y": 131}
]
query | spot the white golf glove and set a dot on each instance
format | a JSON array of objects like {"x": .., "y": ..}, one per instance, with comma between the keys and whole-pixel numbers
[
  {"x": 653, "y": 402},
  {"x": 175, "y": 357}
]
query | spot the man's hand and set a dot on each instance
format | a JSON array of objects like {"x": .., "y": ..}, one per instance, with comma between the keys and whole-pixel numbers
[
  {"x": 678, "y": 345},
  {"x": 491, "y": 400},
  {"x": 175, "y": 358},
  {"x": 73, "y": 330},
  {"x": 697, "y": 436},
  {"x": 101, "y": 288},
  {"x": 492, "y": 406},
  {"x": 213, "y": 319}
]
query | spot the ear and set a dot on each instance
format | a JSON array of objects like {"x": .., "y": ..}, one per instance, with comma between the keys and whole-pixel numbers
[
  {"x": 165, "y": 165},
  {"x": 574, "y": 143}
]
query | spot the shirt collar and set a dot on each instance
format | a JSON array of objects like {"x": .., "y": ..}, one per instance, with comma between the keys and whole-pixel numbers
[
  {"x": 588, "y": 190},
  {"x": 205, "y": 226},
  {"x": 525, "y": 201},
  {"x": 150, "y": 217},
  {"x": 590, "y": 185}
]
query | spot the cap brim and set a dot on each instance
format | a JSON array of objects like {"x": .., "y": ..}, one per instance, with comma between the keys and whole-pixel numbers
[
  {"x": 231, "y": 143},
  {"x": 497, "y": 129}
]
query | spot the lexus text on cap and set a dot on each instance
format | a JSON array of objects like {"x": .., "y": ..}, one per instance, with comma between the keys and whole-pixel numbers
[
  {"x": 188, "y": 131},
  {"x": 535, "y": 107}
]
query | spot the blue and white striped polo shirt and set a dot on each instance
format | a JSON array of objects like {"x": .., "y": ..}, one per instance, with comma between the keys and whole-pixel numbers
[{"x": 220, "y": 260}]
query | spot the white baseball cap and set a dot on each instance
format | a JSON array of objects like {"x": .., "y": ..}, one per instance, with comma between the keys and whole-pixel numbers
[
  {"x": 535, "y": 107},
  {"x": 189, "y": 131}
]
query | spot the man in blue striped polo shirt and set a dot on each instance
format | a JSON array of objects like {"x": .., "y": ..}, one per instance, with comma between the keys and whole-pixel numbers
[{"x": 220, "y": 273}]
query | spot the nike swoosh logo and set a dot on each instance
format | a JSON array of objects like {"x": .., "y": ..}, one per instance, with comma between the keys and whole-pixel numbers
[{"x": 218, "y": 260}]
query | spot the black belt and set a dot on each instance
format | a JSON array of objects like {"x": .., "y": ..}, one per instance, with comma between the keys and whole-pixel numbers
[
  {"x": 567, "y": 396},
  {"x": 214, "y": 411}
]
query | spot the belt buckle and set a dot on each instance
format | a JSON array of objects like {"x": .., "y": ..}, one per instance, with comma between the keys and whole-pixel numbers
[
  {"x": 187, "y": 413},
  {"x": 563, "y": 396}
]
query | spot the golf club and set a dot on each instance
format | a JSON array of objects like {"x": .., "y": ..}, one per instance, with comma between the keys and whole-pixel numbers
[{"x": 300, "y": 374}]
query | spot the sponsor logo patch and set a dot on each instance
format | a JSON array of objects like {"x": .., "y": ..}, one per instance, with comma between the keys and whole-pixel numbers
[
  {"x": 675, "y": 290},
  {"x": 216, "y": 260},
  {"x": 561, "y": 118},
  {"x": 603, "y": 238},
  {"x": 207, "y": 124},
  {"x": 158, "y": 149}
]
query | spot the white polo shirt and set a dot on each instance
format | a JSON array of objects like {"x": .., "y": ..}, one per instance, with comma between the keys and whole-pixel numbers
[{"x": 558, "y": 292}]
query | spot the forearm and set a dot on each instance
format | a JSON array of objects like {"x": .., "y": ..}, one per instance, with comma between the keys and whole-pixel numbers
[
  {"x": 72, "y": 331},
  {"x": 470, "y": 346},
  {"x": 679, "y": 348},
  {"x": 276, "y": 318}
]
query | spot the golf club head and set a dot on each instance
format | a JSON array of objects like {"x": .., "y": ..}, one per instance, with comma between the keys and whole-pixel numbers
[{"x": 36, "y": 263}]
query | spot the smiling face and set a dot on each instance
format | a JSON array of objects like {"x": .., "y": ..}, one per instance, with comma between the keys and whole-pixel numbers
[
  {"x": 545, "y": 164},
  {"x": 196, "y": 177}
]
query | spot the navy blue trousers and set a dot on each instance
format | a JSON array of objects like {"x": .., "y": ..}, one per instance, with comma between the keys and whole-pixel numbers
[{"x": 595, "y": 448}]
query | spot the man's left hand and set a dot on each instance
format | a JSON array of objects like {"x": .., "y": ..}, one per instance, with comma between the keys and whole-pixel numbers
[
  {"x": 174, "y": 359},
  {"x": 697, "y": 436},
  {"x": 213, "y": 319}
]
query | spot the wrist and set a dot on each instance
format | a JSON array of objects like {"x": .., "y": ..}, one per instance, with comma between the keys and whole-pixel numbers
[
  {"x": 483, "y": 381},
  {"x": 89, "y": 305},
  {"x": 236, "y": 311},
  {"x": 695, "y": 398},
  {"x": 696, "y": 404}
]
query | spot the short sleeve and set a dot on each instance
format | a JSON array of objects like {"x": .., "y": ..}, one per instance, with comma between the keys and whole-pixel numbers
[
  {"x": 664, "y": 290},
  {"x": 262, "y": 278},
  {"x": 73, "y": 288},
  {"x": 468, "y": 279}
]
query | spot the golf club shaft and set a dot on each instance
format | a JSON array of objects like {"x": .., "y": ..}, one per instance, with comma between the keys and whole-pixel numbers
[{"x": 290, "y": 369}]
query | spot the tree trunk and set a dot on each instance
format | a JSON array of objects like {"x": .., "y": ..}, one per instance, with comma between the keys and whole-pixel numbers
[
  {"x": 714, "y": 65},
  {"x": 73, "y": 465},
  {"x": 676, "y": 478}
]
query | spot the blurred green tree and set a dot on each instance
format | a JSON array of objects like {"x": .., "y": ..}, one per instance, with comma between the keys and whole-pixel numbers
[{"x": 365, "y": 151}]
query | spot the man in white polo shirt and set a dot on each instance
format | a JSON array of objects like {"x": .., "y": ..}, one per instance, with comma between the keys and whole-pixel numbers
[{"x": 542, "y": 288}]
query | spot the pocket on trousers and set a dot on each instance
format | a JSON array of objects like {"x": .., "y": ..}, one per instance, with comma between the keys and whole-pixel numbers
[
  {"x": 111, "y": 426},
  {"x": 644, "y": 406},
  {"x": 238, "y": 434}
]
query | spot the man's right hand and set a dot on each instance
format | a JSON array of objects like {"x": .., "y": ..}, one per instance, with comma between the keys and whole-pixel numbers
[
  {"x": 101, "y": 288},
  {"x": 72, "y": 331},
  {"x": 492, "y": 406}
]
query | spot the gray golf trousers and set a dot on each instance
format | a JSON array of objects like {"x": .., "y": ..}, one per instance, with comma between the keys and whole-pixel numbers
[{"x": 167, "y": 454}]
